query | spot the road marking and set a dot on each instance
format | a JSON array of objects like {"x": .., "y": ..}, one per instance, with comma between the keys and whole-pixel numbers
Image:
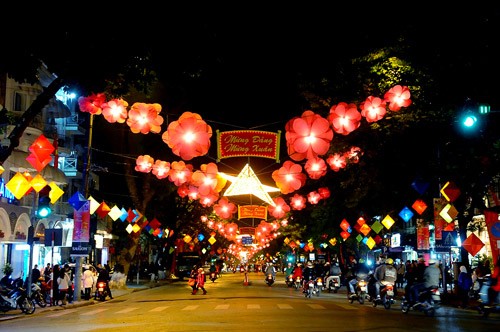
[
  {"x": 347, "y": 306},
  {"x": 284, "y": 306},
  {"x": 253, "y": 306},
  {"x": 157, "y": 309},
  {"x": 191, "y": 307},
  {"x": 62, "y": 313},
  {"x": 316, "y": 306},
  {"x": 222, "y": 307},
  {"x": 124, "y": 311},
  {"x": 90, "y": 313}
]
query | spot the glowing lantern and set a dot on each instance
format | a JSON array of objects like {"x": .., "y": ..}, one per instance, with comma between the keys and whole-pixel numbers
[
  {"x": 136, "y": 228},
  {"x": 333, "y": 241},
  {"x": 189, "y": 136},
  {"x": 419, "y": 206},
  {"x": 42, "y": 149},
  {"x": 336, "y": 162},
  {"x": 18, "y": 185},
  {"x": 187, "y": 238},
  {"x": 289, "y": 177},
  {"x": 373, "y": 109},
  {"x": 406, "y": 214},
  {"x": 115, "y": 212},
  {"x": 144, "y": 118},
  {"x": 144, "y": 164},
  {"x": 344, "y": 118},
  {"x": 377, "y": 226},
  {"x": 297, "y": 202},
  {"x": 92, "y": 104},
  {"x": 315, "y": 168},
  {"x": 115, "y": 111},
  {"x": 345, "y": 235},
  {"x": 420, "y": 186},
  {"x": 225, "y": 209},
  {"x": 361, "y": 221},
  {"x": 77, "y": 200},
  {"x": 313, "y": 197},
  {"x": 388, "y": 222},
  {"x": 55, "y": 192},
  {"x": 345, "y": 225},
  {"x": 308, "y": 136},
  {"x": 448, "y": 213},
  {"x": 397, "y": 97},
  {"x": 450, "y": 191},
  {"x": 370, "y": 243},
  {"x": 473, "y": 244},
  {"x": 365, "y": 229},
  {"x": 1, "y": 169},
  {"x": 38, "y": 183},
  {"x": 161, "y": 169},
  {"x": 280, "y": 208},
  {"x": 103, "y": 210},
  {"x": 324, "y": 192},
  {"x": 180, "y": 172},
  {"x": 94, "y": 205}
]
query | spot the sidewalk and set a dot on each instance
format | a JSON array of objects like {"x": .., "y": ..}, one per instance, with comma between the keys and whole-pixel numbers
[{"x": 130, "y": 288}]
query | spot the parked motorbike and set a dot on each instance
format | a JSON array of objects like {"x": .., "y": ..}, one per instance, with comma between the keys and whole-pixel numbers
[
  {"x": 386, "y": 296},
  {"x": 428, "y": 302},
  {"x": 213, "y": 276},
  {"x": 484, "y": 307},
  {"x": 101, "y": 291},
  {"x": 360, "y": 295},
  {"x": 333, "y": 284},
  {"x": 269, "y": 279},
  {"x": 17, "y": 297},
  {"x": 38, "y": 295}
]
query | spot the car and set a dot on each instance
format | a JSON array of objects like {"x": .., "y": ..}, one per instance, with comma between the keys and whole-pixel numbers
[{"x": 185, "y": 262}]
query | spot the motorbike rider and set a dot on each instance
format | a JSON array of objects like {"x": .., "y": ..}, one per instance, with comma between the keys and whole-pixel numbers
[
  {"x": 431, "y": 276},
  {"x": 270, "y": 269},
  {"x": 103, "y": 276},
  {"x": 309, "y": 273},
  {"x": 333, "y": 271},
  {"x": 288, "y": 270},
  {"x": 360, "y": 271},
  {"x": 385, "y": 274},
  {"x": 297, "y": 271}
]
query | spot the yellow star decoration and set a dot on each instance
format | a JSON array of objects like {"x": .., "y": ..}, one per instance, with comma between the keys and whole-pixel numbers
[{"x": 248, "y": 183}]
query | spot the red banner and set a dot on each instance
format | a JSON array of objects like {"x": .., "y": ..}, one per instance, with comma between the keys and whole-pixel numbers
[
  {"x": 493, "y": 225},
  {"x": 423, "y": 236},
  {"x": 81, "y": 228},
  {"x": 248, "y": 143},
  {"x": 252, "y": 211}
]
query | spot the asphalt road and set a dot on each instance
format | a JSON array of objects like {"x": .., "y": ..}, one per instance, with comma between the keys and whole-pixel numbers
[{"x": 232, "y": 305}]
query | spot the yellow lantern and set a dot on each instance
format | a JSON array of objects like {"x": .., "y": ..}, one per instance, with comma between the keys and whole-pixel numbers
[
  {"x": 38, "y": 183},
  {"x": 55, "y": 192},
  {"x": 18, "y": 185}
]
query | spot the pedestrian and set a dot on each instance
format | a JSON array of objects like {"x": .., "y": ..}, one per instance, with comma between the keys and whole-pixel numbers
[
  {"x": 47, "y": 273},
  {"x": 63, "y": 285},
  {"x": 200, "y": 281},
  {"x": 69, "y": 274},
  {"x": 464, "y": 285},
  {"x": 87, "y": 282},
  {"x": 103, "y": 275},
  {"x": 193, "y": 276},
  {"x": 35, "y": 274}
]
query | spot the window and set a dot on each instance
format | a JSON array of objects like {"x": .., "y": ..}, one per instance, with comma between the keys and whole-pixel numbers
[{"x": 18, "y": 102}]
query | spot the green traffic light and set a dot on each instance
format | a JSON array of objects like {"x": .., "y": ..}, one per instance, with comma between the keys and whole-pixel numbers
[
  {"x": 44, "y": 211},
  {"x": 469, "y": 121}
]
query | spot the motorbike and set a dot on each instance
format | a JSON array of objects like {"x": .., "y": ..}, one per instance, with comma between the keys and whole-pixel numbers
[
  {"x": 17, "y": 297},
  {"x": 297, "y": 283},
  {"x": 313, "y": 287},
  {"x": 269, "y": 279},
  {"x": 428, "y": 302},
  {"x": 386, "y": 296},
  {"x": 38, "y": 295},
  {"x": 333, "y": 284},
  {"x": 213, "y": 276},
  {"x": 484, "y": 308},
  {"x": 361, "y": 292},
  {"x": 101, "y": 291},
  {"x": 289, "y": 281}
]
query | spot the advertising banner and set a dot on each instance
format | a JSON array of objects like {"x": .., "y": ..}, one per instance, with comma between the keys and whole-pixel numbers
[
  {"x": 423, "y": 236},
  {"x": 493, "y": 225}
]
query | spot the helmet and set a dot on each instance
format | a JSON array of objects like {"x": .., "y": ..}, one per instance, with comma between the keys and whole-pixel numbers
[
  {"x": 309, "y": 264},
  {"x": 389, "y": 261}
]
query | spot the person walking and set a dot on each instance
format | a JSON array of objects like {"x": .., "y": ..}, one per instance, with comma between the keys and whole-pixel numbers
[
  {"x": 56, "y": 270},
  {"x": 193, "y": 276},
  {"x": 464, "y": 285},
  {"x": 63, "y": 283},
  {"x": 200, "y": 281},
  {"x": 87, "y": 282},
  {"x": 35, "y": 274}
]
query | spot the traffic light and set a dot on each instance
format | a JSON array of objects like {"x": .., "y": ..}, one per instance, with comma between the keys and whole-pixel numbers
[{"x": 44, "y": 210}]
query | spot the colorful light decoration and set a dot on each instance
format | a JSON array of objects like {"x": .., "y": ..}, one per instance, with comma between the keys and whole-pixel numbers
[
  {"x": 115, "y": 111},
  {"x": 161, "y": 169},
  {"x": 373, "y": 109},
  {"x": 406, "y": 214},
  {"x": 449, "y": 213},
  {"x": 247, "y": 183},
  {"x": 336, "y": 162},
  {"x": 397, "y": 97},
  {"x": 420, "y": 206},
  {"x": 55, "y": 192},
  {"x": 345, "y": 118},
  {"x": 473, "y": 244},
  {"x": 280, "y": 209},
  {"x": 388, "y": 221},
  {"x": 450, "y": 191},
  {"x": 308, "y": 136},
  {"x": 297, "y": 202},
  {"x": 289, "y": 177},
  {"x": 144, "y": 164},
  {"x": 315, "y": 168},
  {"x": 18, "y": 185},
  {"x": 144, "y": 118}
]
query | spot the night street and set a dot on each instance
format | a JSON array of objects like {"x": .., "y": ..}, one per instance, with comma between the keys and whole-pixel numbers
[{"x": 232, "y": 306}]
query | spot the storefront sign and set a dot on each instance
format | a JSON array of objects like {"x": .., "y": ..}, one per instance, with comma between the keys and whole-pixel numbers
[
  {"x": 248, "y": 143},
  {"x": 252, "y": 211},
  {"x": 81, "y": 229}
]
